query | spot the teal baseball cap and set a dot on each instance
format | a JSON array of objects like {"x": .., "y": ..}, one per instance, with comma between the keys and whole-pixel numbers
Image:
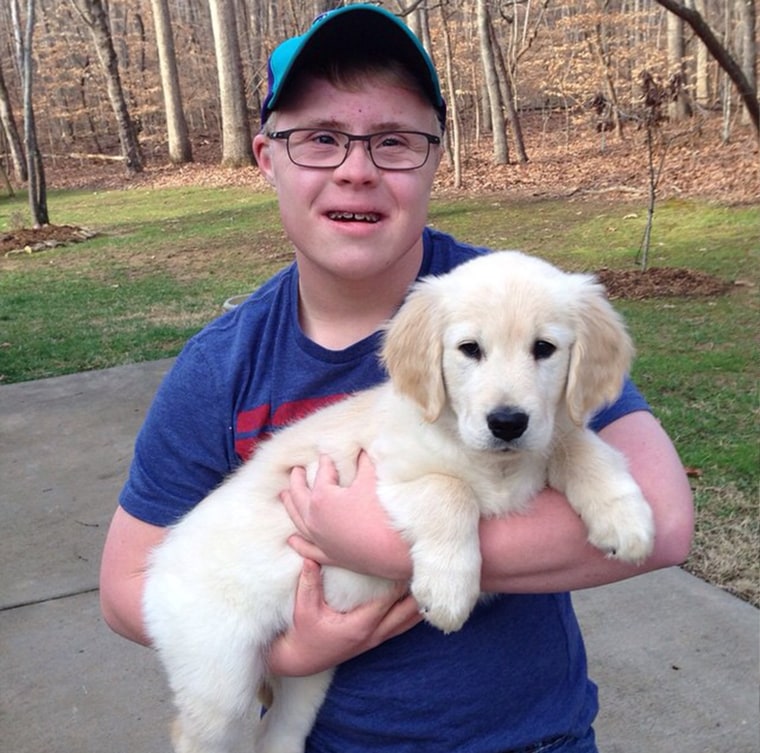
[{"x": 359, "y": 31}]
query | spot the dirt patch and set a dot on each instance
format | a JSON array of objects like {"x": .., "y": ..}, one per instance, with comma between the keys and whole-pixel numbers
[
  {"x": 660, "y": 282},
  {"x": 31, "y": 240}
]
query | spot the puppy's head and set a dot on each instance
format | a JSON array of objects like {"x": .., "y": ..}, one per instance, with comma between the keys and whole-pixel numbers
[{"x": 505, "y": 341}]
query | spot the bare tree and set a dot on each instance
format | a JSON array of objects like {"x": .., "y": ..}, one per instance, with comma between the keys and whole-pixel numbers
[
  {"x": 722, "y": 56},
  {"x": 36, "y": 173},
  {"x": 237, "y": 149},
  {"x": 655, "y": 96},
  {"x": 508, "y": 97},
  {"x": 702, "y": 82},
  {"x": 678, "y": 107},
  {"x": 11, "y": 132},
  {"x": 94, "y": 15},
  {"x": 180, "y": 150},
  {"x": 498, "y": 123},
  {"x": 455, "y": 119},
  {"x": 746, "y": 13},
  {"x": 522, "y": 34},
  {"x": 608, "y": 106},
  {"x": 6, "y": 180}
]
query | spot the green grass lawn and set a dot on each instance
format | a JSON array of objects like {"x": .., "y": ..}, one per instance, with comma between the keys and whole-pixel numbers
[{"x": 165, "y": 260}]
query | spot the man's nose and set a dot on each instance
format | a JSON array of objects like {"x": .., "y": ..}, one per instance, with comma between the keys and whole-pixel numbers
[{"x": 358, "y": 158}]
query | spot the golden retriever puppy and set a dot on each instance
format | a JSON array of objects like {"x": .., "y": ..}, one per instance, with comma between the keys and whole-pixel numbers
[{"x": 494, "y": 369}]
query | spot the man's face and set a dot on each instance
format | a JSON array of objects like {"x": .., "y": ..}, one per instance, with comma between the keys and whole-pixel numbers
[{"x": 355, "y": 221}]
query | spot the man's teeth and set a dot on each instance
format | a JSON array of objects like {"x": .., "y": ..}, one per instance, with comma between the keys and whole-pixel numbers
[{"x": 354, "y": 216}]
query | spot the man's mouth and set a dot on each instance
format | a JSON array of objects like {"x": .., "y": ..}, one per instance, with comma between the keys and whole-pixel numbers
[{"x": 354, "y": 216}]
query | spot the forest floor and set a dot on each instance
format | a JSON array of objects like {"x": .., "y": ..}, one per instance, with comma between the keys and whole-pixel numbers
[{"x": 565, "y": 160}]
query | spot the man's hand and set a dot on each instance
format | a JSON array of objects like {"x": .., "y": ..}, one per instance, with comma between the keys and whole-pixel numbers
[
  {"x": 345, "y": 526},
  {"x": 321, "y": 637}
]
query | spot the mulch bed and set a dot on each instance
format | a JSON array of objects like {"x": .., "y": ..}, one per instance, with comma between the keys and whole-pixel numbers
[
  {"x": 30, "y": 240},
  {"x": 660, "y": 282}
]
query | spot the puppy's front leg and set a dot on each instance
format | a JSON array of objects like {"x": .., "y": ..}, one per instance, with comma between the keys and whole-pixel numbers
[
  {"x": 594, "y": 477},
  {"x": 439, "y": 517}
]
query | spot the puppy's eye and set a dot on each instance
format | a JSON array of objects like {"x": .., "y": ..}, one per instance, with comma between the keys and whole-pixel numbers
[
  {"x": 543, "y": 349},
  {"x": 471, "y": 349}
]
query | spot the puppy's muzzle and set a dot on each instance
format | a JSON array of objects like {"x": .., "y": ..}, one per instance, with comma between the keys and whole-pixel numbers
[{"x": 507, "y": 423}]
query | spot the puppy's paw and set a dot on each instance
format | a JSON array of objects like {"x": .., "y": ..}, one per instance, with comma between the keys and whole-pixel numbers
[
  {"x": 446, "y": 599},
  {"x": 624, "y": 528}
]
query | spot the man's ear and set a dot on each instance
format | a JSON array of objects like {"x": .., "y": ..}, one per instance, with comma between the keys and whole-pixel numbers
[{"x": 262, "y": 152}]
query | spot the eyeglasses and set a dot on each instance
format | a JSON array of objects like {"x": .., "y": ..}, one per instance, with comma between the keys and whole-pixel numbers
[{"x": 388, "y": 150}]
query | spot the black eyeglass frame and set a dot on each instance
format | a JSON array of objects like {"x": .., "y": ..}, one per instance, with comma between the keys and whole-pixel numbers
[{"x": 285, "y": 136}]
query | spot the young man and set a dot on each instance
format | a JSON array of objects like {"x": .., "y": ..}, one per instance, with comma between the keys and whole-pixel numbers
[{"x": 351, "y": 135}]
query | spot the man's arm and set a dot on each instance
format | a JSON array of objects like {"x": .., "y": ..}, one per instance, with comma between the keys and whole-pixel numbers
[{"x": 122, "y": 573}]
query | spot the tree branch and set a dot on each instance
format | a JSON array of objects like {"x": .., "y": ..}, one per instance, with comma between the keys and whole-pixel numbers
[{"x": 721, "y": 54}]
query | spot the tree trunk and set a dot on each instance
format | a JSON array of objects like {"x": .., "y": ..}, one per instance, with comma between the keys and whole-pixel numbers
[
  {"x": 454, "y": 116},
  {"x": 94, "y": 14},
  {"x": 702, "y": 93},
  {"x": 6, "y": 181},
  {"x": 237, "y": 149},
  {"x": 508, "y": 99},
  {"x": 601, "y": 51},
  {"x": 11, "y": 132},
  {"x": 180, "y": 150},
  {"x": 498, "y": 129},
  {"x": 679, "y": 106},
  {"x": 746, "y": 14},
  {"x": 36, "y": 180}
]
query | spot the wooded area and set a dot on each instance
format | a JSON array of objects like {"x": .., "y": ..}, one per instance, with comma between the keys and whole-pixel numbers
[{"x": 155, "y": 81}]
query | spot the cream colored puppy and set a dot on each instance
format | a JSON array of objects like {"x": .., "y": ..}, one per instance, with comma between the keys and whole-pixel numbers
[{"x": 494, "y": 369}]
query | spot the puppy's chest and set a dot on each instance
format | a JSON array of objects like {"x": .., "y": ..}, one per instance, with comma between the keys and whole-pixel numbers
[{"x": 505, "y": 488}]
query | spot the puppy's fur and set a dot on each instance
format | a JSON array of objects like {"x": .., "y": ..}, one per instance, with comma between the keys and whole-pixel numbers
[{"x": 493, "y": 369}]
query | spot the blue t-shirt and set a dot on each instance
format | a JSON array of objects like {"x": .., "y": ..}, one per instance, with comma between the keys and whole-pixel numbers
[{"x": 514, "y": 674}]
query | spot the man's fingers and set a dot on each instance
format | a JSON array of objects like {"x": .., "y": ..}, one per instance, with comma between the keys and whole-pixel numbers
[
  {"x": 309, "y": 593},
  {"x": 402, "y": 615},
  {"x": 307, "y": 550},
  {"x": 363, "y": 462},
  {"x": 327, "y": 472}
]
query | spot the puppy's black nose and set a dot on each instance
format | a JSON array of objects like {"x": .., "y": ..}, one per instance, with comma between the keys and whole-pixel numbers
[{"x": 507, "y": 423}]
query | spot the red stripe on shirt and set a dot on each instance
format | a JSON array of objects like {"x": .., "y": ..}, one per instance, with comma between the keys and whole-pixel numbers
[{"x": 260, "y": 421}]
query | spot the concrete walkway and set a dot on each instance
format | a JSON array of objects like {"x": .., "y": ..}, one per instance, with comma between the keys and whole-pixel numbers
[{"x": 675, "y": 658}]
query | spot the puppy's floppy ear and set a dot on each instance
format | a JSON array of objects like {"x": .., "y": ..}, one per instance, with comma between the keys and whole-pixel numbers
[
  {"x": 601, "y": 355},
  {"x": 412, "y": 351}
]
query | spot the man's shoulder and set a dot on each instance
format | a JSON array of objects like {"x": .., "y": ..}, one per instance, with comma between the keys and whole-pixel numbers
[
  {"x": 443, "y": 252},
  {"x": 252, "y": 316},
  {"x": 220, "y": 357}
]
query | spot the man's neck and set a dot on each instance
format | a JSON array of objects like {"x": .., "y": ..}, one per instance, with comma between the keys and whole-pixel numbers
[{"x": 338, "y": 313}]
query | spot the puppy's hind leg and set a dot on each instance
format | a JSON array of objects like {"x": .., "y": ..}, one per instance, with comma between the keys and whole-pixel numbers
[
  {"x": 213, "y": 703},
  {"x": 287, "y": 724},
  {"x": 209, "y": 734}
]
